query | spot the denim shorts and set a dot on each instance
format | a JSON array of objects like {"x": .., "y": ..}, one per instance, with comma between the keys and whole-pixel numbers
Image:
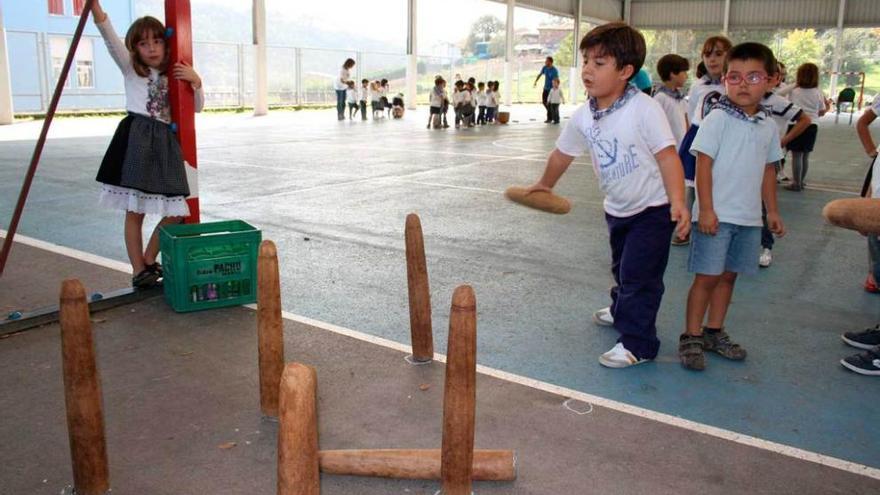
[{"x": 735, "y": 248}]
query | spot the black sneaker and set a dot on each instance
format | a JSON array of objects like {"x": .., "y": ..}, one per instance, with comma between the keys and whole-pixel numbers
[
  {"x": 866, "y": 339},
  {"x": 690, "y": 352},
  {"x": 866, "y": 363}
]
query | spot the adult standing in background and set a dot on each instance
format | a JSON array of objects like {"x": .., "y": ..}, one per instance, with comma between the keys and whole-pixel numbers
[
  {"x": 340, "y": 85},
  {"x": 550, "y": 73}
]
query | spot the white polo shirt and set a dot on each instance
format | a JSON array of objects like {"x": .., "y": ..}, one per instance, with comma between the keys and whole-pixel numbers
[{"x": 622, "y": 145}]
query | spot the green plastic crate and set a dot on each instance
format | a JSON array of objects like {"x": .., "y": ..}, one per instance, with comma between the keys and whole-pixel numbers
[{"x": 209, "y": 265}]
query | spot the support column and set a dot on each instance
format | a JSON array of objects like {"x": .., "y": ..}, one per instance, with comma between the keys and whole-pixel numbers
[
  {"x": 412, "y": 59},
  {"x": 508, "y": 52},
  {"x": 261, "y": 91},
  {"x": 574, "y": 76},
  {"x": 6, "y": 114},
  {"x": 726, "y": 27},
  {"x": 838, "y": 38},
  {"x": 627, "y": 11}
]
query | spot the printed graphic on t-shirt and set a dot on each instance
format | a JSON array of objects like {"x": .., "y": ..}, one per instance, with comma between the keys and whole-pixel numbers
[
  {"x": 157, "y": 98},
  {"x": 614, "y": 164}
]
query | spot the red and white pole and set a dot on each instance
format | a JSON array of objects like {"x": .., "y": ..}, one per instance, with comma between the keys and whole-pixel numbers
[{"x": 180, "y": 93}]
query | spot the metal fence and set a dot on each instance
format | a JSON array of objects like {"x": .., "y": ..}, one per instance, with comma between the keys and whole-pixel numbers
[{"x": 296, "y": 75}]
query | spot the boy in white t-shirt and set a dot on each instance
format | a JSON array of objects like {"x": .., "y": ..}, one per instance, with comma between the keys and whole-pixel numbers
[
  {"x": 868, "y": 361},
  {"x": 634, "y": 158},
  {"x": 351, "y": 97},
  {"x": 481, "y": 103},
  {"x": 364, "y": 96},
  {"x": 673, "y": 71},
  {"x": 736, "y": 148}
]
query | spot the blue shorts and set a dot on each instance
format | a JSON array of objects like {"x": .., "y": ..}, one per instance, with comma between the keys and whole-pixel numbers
[{"x": 735, "y": 248}]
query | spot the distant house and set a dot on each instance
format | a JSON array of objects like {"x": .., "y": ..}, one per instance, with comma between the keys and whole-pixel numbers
[
  {"x": 551, "y": 36},
  {"x": 38, "y": 35}
]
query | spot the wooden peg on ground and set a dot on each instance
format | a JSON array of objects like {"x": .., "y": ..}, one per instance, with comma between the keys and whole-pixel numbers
[
  {"x": 419, "y": 293},
  {"x": 269, "y": 328},
  {"x": 82, "y": 393},
  {"x": 459, "y": 399},
  {"x": 414, "y": 464},
  {"x": 298, "y": 432},
  {"x": 860, "y": 214}
]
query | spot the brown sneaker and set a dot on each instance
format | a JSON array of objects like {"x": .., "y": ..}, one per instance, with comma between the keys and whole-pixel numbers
[
  {"x": 719, "y": 342},
  {"x": 690, "y": 351}
]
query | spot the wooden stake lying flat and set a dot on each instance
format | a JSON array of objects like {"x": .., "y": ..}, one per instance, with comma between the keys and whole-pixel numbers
[
  {"x": 82, "y": 393},
  {"x": 414, "y": 464},
  {"x": 298, "y": 432},
  {"x": 269, "y": 328},
  {"x": 459, "y": 399},
  {"x": 419, "y": 292}
]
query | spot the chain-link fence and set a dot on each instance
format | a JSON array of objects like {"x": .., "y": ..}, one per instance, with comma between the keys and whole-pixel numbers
[{"x": 296, "y": 75}]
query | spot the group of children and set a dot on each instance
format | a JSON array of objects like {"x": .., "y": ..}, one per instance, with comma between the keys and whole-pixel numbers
[
  {"x": 702, "y": 168},
  {"x": 473, "y": 103},
  {"x": 376, "y": 92},
  {"x": 730, "y": 138}
]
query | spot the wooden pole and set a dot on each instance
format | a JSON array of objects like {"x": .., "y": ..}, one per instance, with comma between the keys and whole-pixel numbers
[
  {"x": 419, "y": 293},
  {"x": 44, "y": 131},
  {"x": 298, "y": 432},
  {"x": 459, "y": 399},
  {"x": 415, "y": 464},
  {"x": 269, "y": 328},
  {"x": 82, "y": 393}
]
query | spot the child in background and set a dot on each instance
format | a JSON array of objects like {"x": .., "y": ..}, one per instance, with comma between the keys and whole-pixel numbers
[
  {"x": 445, "y": 104},
  {"x": 736, "y": 147},
  {"x": 376, "y": 99},
  {"x": 481, "y": 103},
  {"x": 385, "y": 90},
  {"x": 491, "y": 102},
  {"x": 397, "y": 106},
  {"x": 790, "y": 121},
  {"x": 554, "y": 99},
  {"x": 673, "y": 71},
  {"x": 467, "y": 104},
  {"x": 809, "y": 97},
  {"x": 351, "y": 96},
  {"x": 457, "y": 97},
  {"x": 143, "y": 170},
  {"x": 364, "y": 96},
  {"x": 438, "y": 96},
  {"x": 634, "y": 158},
  {"x": 703, "y": 93}
]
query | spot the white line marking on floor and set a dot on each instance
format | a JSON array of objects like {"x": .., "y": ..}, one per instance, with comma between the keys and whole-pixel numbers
[
  {"x": 778, "y": 448},
  {"x": 786, "y": 450},
  {"x": 829, "y": 189}
]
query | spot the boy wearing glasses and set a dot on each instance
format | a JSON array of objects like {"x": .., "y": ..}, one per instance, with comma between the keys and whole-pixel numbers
[{"x": 736, "y": 148}]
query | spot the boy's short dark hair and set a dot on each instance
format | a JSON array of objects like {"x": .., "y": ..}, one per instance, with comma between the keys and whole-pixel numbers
[
  {"x": 671, "y": 64},
  {"x": 471, "y": 80},
  {"x": 618, "y": 40},
  {"x": 481, "y": 84},
  {"x": 438, "y": 80},
  {"x": 753, "y": 51},
  {"x": 365, "y": 81},
  {"x": 550, "y": 59},
  {"x": 808, "y": 76},
  {"x": 459, "y": 83},
  {"x": 384, "y": 81}
]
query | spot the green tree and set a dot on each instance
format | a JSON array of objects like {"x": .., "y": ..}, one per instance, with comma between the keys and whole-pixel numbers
[
  {"x": 564, "y": 55},
  {"x": 856, "y": 49},
  {"x": 799, "y": 47},
  {"x": 486, "y": 28}
]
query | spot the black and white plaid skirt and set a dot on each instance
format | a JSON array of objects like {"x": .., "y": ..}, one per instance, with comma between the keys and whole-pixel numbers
[{"x": 143, "y": 170}]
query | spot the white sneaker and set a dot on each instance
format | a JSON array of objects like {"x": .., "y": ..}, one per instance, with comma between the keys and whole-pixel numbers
[
  {"x": 619, "y": 357},
  {"x": 603, "y": 318},
  {"x": 765, "y": 259}
]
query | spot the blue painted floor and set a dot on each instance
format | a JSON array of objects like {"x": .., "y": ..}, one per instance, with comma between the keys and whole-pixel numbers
[{"x": 334, "y": 196}]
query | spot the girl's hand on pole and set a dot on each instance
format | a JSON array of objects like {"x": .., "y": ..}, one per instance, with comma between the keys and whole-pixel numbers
[{"x": 185, "y": 72}]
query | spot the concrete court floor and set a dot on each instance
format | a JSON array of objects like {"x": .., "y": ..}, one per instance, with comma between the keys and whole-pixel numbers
[
  {"x": 182, "y": 414},
  {"x": 333, "y": 196}
]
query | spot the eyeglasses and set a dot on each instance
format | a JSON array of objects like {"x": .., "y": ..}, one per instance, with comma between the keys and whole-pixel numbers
[{"x": 752, "y": 78}]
